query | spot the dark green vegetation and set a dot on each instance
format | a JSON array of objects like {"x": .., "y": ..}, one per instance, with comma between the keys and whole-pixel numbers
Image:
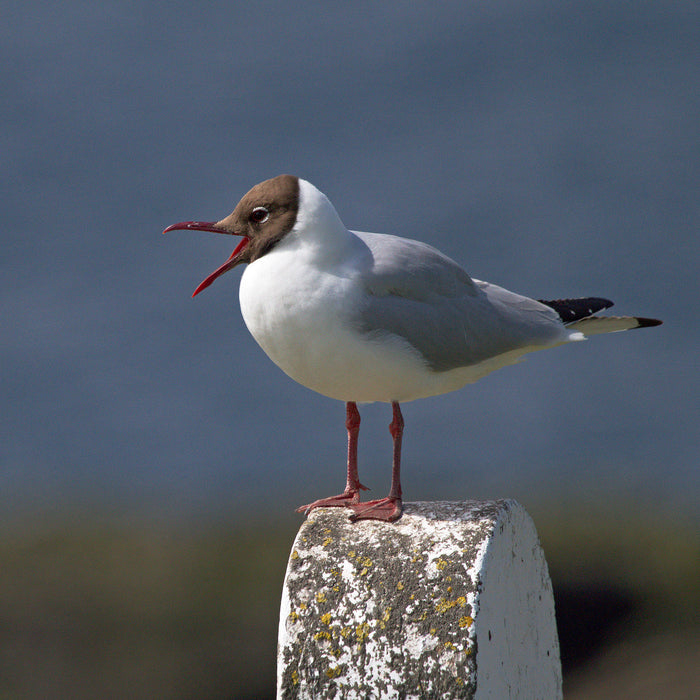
[{"x": 91, "y": 607}]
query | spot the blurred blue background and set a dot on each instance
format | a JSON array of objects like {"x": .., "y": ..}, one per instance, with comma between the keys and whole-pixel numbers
[{"x": 550, "y": 147}]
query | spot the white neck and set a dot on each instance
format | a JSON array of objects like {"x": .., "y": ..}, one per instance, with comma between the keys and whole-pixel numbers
[{"x": 317, "y": 221}]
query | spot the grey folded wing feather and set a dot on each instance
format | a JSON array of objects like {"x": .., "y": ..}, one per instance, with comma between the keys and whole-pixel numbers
[{"x": 418, "y": 294}]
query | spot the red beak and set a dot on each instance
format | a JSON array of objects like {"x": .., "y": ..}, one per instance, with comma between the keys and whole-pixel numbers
[{"x": 209, "y": 226}]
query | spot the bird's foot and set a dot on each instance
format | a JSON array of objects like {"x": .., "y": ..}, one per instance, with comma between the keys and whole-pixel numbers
[
  {"x": 386, "y": 509},
  {"x": 349, "y": 497}
]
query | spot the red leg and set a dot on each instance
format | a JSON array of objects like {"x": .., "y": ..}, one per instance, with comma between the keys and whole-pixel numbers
[
  {"x": 353, "y": 485},
  {"x": 390, "y": 508}
]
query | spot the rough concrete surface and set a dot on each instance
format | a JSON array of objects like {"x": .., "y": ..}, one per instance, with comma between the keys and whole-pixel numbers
[{"x": 452, "y": 601}]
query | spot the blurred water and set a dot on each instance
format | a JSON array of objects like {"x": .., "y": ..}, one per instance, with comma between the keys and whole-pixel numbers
[{"x": 551, "y": 147}]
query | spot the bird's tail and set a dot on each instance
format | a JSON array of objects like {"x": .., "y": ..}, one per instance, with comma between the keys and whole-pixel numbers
[
  {"x": 611, "y": 324},
  {"x": 578, "y": 315}
]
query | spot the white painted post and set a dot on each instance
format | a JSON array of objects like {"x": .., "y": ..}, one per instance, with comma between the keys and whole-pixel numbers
[{"x": 452, "y": 601}]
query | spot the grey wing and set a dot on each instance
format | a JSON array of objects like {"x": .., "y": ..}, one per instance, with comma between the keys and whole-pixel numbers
[
  {"x": 420, "y": 295},
  {"x": 410, "y": 269}
]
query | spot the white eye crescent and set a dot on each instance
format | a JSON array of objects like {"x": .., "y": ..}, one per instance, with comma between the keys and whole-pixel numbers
[{"x": 259, "y": 215}]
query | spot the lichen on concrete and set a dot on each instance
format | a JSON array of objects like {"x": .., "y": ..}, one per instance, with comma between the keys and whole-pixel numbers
[{"x": 384, "y": 610}]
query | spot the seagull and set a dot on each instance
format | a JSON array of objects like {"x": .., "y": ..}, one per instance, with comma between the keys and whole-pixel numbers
[{"x": 365, "y": 317}]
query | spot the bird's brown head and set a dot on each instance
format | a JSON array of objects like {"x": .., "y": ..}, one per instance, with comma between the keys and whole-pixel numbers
[{"x": 265, "y": 215}]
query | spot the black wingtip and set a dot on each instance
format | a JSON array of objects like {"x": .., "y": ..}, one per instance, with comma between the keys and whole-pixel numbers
[
  {"x": 648, "y": 322},
  {"x": 571, "y": 310}
]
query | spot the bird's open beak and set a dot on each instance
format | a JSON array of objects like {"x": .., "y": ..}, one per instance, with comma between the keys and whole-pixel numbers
[{"x": 210, "y": 226}]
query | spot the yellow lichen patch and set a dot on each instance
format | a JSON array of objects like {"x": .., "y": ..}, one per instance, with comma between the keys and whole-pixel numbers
[
  {"x": 334, "y": 671},
  {"x": 326, "y": 619},
  {"x": 295, "y": 677},
  {"x": 440, "y": 564},
  {"x": 336, "y": 589},
  {"x": 459, "y": 681},
  {"x": 336, "y": 652},
  {"x": 466, "y": 621},
  {"x": 362, "y": 631},
  {"x": 295, "y": 555},
  {"x": 322, "y": 635},
  {"x": 433, "y": 631},
  {"x": 450, "y": 646},
  {"x": 327, "y": 541},
  {"x": 327, "y": 531},
  {"x": 385, "y": 618},
  {"x": 351, "y": 554},
  {"x": 365, "y": 562},
  {"x": 293, "y": 616},
  {"x": 345, "y": 632},
  {"x": 320, "y": 597},
  {"x": 411, "y": 597},
  {"x": 302, "y": 606},
  {"x": 399, "y": 586},
  {"x": 444, "y": 605}
]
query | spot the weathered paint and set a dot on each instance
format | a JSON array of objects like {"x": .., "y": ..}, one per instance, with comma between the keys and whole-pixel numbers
[{"x": 378, "y": 610}]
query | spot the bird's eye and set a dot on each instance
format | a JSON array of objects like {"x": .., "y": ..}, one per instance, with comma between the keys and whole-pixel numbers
[{"x": 259, "y": 215}]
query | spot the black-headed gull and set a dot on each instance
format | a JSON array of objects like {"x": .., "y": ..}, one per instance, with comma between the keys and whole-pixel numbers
[{"x": 364, "y": 317}]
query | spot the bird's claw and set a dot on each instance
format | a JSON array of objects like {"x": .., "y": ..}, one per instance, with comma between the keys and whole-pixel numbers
[
  {"x": 342, "y": 500},
  {"x": 385, "y": 509}
]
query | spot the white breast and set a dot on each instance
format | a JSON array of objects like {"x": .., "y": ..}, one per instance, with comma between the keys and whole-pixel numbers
[{"x": 299, "y": 315}]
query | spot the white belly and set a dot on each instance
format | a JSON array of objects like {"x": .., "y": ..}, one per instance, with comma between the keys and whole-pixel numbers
[{"x": 301, "y": 322}]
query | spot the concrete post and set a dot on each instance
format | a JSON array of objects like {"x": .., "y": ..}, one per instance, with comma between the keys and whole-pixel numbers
[{"x": 452, "y": 601}]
